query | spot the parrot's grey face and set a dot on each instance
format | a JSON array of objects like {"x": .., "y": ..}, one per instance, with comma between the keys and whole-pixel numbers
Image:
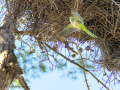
[{"x": 71, "y": 19}]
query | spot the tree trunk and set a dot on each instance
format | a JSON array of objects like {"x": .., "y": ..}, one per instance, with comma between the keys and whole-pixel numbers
[{"x": 9, "y": 69}]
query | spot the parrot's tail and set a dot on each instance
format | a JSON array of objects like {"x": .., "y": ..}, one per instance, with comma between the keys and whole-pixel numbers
[
  {"x": 90, "y": 33},
  {"x": 87, "y": 31}
]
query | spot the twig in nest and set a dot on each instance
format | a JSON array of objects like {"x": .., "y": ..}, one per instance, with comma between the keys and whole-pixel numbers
[{"x": 116, "y": 3}]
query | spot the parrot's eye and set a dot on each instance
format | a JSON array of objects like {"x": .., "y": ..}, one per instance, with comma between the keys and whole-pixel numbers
[{"x": 71, "y": 18}]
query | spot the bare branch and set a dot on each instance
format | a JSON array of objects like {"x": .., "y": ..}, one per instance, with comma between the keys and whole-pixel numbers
[{"x": 77, "y": 65}]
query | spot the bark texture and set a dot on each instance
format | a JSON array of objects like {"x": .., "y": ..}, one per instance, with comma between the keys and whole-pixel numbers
[{"x": 9, "y": 69}]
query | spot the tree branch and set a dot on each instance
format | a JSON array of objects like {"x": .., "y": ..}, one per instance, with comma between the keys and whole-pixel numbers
[{"x": 76, "y": 64}]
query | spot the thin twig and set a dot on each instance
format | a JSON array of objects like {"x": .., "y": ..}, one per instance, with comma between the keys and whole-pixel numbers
[
  {"x": 83, "y": 66},
  {"x": 31, "y": 48},
  {"x": 116, "y": 22},
  {"x": 116, "y": 3}
]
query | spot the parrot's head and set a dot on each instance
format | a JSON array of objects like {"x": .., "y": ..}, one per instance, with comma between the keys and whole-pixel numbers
[{"x": 71, "y": 19}]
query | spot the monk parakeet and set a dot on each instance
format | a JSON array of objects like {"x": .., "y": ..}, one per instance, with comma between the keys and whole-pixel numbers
[{"x": 76, "y": 25}]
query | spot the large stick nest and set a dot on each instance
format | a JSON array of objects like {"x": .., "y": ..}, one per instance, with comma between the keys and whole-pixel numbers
[{"x": 46, "y": 18}]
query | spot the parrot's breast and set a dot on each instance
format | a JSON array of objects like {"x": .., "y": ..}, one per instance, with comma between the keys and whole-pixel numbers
[{"x": 76, "y": 24}]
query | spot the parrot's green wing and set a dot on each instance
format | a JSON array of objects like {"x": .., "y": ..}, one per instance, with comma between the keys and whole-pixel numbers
[
  {"x": 76, "y": 15},
  {"x": 68, "y": 30}
]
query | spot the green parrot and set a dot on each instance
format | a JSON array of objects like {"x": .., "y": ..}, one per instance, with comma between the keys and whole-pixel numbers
[{"x": 77, "y": 24}]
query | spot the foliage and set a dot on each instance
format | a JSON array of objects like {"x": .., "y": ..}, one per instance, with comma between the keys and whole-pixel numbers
[{"x": 15, "y": 85}]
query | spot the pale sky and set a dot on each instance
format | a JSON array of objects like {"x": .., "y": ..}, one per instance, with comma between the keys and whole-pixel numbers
[{"x": 54, "y": 81}]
